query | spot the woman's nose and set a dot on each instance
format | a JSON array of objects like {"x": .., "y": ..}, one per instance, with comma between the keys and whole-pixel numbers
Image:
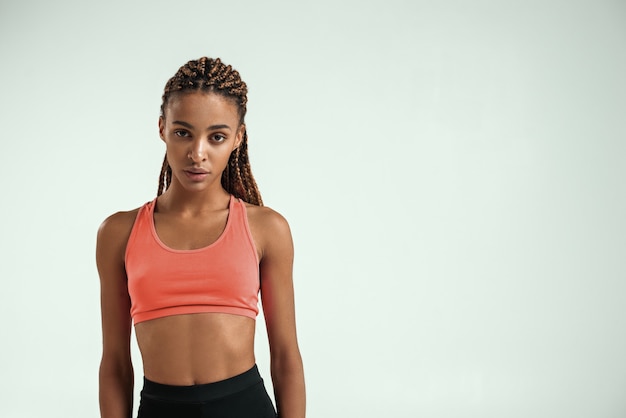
[{"x": 197, "y": 153}]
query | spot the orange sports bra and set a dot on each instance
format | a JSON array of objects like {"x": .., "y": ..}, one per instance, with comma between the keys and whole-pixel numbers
[{"x": 222, "y": 277}]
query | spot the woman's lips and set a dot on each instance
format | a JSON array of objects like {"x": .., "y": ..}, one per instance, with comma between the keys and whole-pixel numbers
[{"x": 196, "y": 174}]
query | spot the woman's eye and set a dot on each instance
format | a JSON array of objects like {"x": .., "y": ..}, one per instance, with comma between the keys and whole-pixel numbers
[
  {"x": 182, "y": 134},
  {"x": 218, "y": 138}
]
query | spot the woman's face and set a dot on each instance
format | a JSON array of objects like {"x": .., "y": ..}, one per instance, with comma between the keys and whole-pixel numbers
[{"x": 200, "y": 130}]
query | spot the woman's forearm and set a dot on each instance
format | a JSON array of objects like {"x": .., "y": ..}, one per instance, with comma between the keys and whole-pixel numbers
[
  {"x": 116, "y": 391},
  {"x": 289, "y": 388}
]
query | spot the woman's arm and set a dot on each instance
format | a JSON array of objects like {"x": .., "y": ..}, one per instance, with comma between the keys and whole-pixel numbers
[
  {"x": 116, "y": 371},
  {"x": 278, "y": 307}
]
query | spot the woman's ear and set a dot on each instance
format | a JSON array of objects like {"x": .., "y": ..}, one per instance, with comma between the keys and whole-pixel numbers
[
  {"x": 239, "y": 138},
  {"x": 161, "y": 128}
]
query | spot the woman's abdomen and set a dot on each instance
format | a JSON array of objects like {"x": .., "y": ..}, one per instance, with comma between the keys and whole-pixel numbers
[{"x": 196, "y": 348}]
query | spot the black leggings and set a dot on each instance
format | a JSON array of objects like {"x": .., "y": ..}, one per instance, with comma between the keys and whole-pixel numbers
[{"x": 241, "y": 396}]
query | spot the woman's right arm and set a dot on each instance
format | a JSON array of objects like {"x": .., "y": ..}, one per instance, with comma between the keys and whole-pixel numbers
[{"x": 116, "y": 371}]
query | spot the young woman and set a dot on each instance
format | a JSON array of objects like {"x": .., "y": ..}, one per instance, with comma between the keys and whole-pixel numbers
[{"x": 187, "y": 268}]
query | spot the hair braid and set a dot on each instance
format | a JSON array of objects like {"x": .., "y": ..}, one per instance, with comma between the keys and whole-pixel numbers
[
  {"x": 211, "y": 75},
  {"x": 165, "y": 178}
]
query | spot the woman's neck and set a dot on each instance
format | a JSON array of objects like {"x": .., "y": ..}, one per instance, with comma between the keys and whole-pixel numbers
[{"x": 177, "y": 199}]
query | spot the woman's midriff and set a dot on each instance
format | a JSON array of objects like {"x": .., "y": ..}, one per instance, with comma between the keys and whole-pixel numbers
[{"x": 194, "y": 349}]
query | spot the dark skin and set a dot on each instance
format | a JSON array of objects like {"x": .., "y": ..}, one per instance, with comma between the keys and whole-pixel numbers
[{"x": 200, "y": 131}]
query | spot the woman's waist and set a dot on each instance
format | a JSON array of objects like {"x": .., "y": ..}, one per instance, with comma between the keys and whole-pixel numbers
[
  {"x": 201, "y": 373},
  {"x": 202, "y": 392}
]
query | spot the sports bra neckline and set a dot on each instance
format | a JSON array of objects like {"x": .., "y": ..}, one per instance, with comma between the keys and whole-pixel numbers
[{"x": 153, "y": 230}]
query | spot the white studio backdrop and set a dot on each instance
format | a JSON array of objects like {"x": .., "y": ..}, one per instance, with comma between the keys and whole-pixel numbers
[{"x": 452, "y": 171}]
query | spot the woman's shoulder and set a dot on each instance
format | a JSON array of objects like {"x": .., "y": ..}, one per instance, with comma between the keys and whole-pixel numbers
[
  {"x": 266, "y": 218},
  {"x": 117, "y": 227},
  {"x": 270, "y": 230}
]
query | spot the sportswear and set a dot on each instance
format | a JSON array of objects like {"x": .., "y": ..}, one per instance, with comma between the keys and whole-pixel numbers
[
  {"x": 241, "y": 396},
  {"x": 221, "y": 277}
]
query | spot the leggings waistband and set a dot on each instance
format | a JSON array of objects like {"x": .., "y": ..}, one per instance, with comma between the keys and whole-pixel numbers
[{"x": 202, "y": 393}]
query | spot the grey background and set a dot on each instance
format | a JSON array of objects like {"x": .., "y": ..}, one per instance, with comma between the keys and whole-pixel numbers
[{"x": 452, "y": 171}]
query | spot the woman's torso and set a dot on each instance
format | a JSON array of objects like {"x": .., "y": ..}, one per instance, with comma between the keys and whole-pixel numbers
[{"x": 199, "y": 347}]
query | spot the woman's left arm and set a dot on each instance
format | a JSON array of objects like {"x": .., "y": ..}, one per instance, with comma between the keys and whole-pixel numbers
[{"x": 277, "y": 295}]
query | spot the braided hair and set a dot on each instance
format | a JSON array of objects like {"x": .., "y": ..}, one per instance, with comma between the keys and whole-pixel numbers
[{"x": 210, "y": 75}]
